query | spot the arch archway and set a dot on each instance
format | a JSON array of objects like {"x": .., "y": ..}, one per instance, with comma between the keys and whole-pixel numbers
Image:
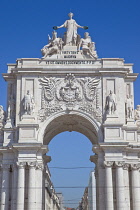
[{"x": 73, "y": 121}]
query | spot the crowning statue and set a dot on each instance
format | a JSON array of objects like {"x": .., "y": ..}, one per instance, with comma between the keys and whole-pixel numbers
[
  {"x": 71, "y": 40},
  {"x": 72, "y": 26}
]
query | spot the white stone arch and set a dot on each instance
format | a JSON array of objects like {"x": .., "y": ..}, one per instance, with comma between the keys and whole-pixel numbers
[{"x": 70, "y": 121}]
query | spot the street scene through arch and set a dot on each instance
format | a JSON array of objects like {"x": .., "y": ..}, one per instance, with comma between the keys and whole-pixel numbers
[
  {"x": 70, "y": 166},
  {"x": 69, "y": 89}
]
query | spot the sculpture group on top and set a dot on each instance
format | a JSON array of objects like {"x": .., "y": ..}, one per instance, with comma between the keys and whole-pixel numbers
[{"x": 71, "y": 38}]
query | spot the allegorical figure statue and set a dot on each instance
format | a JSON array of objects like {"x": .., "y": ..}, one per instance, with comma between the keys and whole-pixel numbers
[
  {"x": 111, "y": 103},
  {"x": 29, "y": 104},
  {"x": 137, "y": 113},
  {"x": 72, "y": 26},
  {"x": 54, "y": 46},
  {"x": 2, "y": 115},
  {"x": 129, "y": 107},
  {"x": 88, "y": 47}
]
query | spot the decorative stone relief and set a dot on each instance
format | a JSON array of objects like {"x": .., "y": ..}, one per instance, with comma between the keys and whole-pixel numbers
[{"x": 70, "y": 93}]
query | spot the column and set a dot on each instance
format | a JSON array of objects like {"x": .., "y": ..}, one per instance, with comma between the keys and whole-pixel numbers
[
  {"x": 14, "y": 187},
  {"x": 39, "y": 181},
  {"x": 21, "y": 185},
  {"x": 31, "y": 186},
  {"x": 135, "y": 184},
  {"x": 108, "y": 185},
  {"x": 120, "y": 198},
  {"x": 5, "y": 187},
  {"x": 126, "y": 186}
]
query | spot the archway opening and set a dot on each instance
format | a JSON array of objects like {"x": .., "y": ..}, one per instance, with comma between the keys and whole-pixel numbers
[
  {"x": 70, "y": 138},
  {"x": 70, "y": 166}
]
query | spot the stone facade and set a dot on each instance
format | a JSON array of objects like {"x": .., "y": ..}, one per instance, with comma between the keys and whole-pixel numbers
[{"x": 70, "y": 89}]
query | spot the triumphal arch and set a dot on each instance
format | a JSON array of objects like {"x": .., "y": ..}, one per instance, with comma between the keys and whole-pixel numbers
[{"x": 70, "y": 89}]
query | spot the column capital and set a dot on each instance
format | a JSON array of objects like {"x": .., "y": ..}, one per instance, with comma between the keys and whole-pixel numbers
[
  {"x": 32, "y": 164},
  {"x": 119, "y": 163},
  {"x": 108, "y": 163},
  {"x": 40, "y": 166},
  {"x": 21, "y": 164},
  {"x": 135, "y": 166},
  {"x": 126, "y": 166}
]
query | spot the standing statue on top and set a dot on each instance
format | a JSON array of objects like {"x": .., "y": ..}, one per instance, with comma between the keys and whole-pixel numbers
[{"x": 72, "y": 26}]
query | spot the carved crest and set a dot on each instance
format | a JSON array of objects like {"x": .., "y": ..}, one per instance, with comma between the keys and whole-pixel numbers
[{"x": 69, "y": 93}]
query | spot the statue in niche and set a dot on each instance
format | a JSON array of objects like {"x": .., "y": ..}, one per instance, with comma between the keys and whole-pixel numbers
[
  {"x": 11, "y": 107},
  {"x": 29, "y": 104},
  {"x": 54, "y": 46},
  {"x": 129, "y": 107},
  {"x": 137, "y": 113},
  {"x": 2, "y": 113},
  {"x": 71, "y": 34},
  {"x": 88, "y": 47},
  {"x": 111, "y": 103}
]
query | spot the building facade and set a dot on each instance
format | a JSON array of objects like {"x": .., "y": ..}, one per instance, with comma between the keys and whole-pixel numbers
[{"x": 70, "y": 89}]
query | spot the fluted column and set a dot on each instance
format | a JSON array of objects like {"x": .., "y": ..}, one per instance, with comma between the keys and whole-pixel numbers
[
  {"x": 31, "y": 186},
  {"x": 39, "y": 176},
  {"x": 21, "y": 186},
  {"x": 120, "y": 198},
  {"x": 5, "y": 187},
  {"x": 126, "y": 186},
  {"x": 14, "y": 187},
  {"x": 108, "y": 185},
  {"x": 135, "y": 186}
]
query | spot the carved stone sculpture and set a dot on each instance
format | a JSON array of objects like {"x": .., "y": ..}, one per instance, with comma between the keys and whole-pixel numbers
[
  {"x": 29, "y": 104},
  {"x": 137, "y": 113},
  {"x": 2, "y": 117},
  {"x": 88, "y": 47},
  {"x": 54, "y": 46},
  {"x": 72, "y": 26},
  {"x": 129, "y": 107},
  {"x": 1, "y": 113},
  {"x": 68, "y": 94},
  {"x": 111, "y": 103}
]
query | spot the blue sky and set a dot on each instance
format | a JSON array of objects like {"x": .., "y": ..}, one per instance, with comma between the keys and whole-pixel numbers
[{"x": 113, "y": 25}]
